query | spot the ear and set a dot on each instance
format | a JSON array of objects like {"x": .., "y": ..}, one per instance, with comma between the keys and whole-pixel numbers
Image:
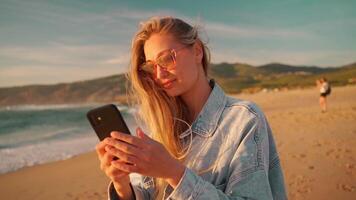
[{"x": 198, "y": 49}]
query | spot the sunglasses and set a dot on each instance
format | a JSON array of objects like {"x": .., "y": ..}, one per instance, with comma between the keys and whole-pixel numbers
[{"x": 165, "y": 59}]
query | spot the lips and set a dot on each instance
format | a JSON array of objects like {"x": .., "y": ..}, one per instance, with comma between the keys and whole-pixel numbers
[{"x": 168, "y": 84}]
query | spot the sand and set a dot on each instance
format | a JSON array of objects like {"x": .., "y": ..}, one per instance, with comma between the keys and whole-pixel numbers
[
  {"x": 317, "y": 152},
  {"x": 76, "y": 178}
]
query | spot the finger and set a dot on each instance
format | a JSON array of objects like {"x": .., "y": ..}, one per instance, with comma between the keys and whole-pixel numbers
[
  {"x": 125, "y": 167},
  {"x": 104, "y": 163},
  {"x": 123, "y": 146},
  {"x": 115, "y": 174},
  {"x": 127, "y": 138},
  {"x": 107, "y": 158},
  {"x": 100, "y": 148},
  {"x": 121, "y": 155}
]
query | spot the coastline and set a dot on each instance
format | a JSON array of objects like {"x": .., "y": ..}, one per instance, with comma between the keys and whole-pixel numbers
[{"x": 317, "y": 152}]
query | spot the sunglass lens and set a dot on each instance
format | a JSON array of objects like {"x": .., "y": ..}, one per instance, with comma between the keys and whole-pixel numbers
[{"x": 165, "y": 60}]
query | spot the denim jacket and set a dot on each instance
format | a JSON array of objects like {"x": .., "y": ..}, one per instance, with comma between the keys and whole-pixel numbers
[{"x": 232, "y": 138}]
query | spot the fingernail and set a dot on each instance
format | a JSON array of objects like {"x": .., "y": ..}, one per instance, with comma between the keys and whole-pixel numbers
[
  {"x": 115, "y": 134},
  {"x": 107, "y": 140}
]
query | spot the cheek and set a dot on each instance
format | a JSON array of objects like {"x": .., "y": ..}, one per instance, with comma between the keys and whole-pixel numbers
[{"x": 187, "y": 74}]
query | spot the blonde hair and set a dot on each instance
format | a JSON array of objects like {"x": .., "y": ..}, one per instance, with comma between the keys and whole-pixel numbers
[{"x": 157, "y": 109}]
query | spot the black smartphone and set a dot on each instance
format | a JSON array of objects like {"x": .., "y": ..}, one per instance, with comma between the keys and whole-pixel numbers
[{"x": 106, "y": 119}]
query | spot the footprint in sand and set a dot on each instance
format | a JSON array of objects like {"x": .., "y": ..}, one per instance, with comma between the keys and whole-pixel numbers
[
  {"x": 349, "y": 166},
  {"x": 300, "y": 156},
  {"x": 330, "y": 152},
  {"x": 338, "y": 152},
  {"x": 346, "y": 187},
  {"x": 317, "y": 144},
  {"x": 350, "y": 169},
  {"x": 311, "y": 167},
  {"x": 348, "y": 150},
  {"x": 334, "y": 153},
  {"x": 300, "y": 185}
]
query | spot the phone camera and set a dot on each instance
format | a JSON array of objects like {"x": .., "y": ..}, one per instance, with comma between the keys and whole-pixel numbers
[{"x": 97, "y": 120}]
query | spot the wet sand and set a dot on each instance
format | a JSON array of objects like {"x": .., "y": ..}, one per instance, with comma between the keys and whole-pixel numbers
[{"x": 317, "y": 152}]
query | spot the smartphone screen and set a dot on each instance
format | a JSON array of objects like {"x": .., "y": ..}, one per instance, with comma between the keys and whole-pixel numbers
[{"x": 106, "y": 119}]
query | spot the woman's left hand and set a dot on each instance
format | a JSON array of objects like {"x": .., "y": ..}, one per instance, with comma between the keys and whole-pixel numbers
[{"x": 145, "y": 156}]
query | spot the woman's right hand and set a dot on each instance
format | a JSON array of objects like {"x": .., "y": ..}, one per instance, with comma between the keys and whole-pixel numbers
[{"x": 120, "y": 179}]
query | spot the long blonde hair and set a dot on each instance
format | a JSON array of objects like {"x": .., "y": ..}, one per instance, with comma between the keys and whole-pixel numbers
[{"x": 157, "y": 109}]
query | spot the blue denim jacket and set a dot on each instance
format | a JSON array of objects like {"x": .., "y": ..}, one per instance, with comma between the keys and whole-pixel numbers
[{"x": 232, "y": 138}]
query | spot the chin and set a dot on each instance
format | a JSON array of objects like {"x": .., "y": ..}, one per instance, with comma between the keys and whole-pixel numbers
[
  {"x": 177, "y": 89},
  {"x": 172, "y": 93}
]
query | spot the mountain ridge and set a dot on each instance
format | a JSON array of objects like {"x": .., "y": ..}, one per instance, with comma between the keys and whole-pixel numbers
[{"x": 233, "y": 77}]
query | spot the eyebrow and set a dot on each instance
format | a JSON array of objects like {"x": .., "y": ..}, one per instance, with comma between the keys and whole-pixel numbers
[{"x": 160, "y": 53}]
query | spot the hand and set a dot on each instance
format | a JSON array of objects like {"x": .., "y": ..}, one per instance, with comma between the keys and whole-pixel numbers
[
  {"x": 143, "y": 155},
  {"x": 120, "y": 179}
]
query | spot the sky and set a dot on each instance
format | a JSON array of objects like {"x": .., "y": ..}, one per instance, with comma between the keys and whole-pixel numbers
[{"x": 55, "y": 41}]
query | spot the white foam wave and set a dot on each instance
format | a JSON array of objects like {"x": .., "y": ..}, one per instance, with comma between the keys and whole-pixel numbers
[
  {"x": 54, "y": 107},
  {"x": 15, "y": 158}
]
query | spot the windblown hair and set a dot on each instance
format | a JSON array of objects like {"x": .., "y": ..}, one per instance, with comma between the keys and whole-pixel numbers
[{"x": 157, "y": 109}]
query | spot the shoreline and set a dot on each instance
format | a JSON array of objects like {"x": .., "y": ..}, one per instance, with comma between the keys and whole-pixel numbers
[
  {"x": 122, "y": 103},
  {"x": 317, "y": 152},
  {"x": 79, "y": 176}
]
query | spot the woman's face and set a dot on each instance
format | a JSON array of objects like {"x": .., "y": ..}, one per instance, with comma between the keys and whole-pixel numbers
[{"x": 180, "y": 78}]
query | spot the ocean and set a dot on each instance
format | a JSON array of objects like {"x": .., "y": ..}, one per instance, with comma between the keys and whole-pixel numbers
[{"x": 32, "y": 135}]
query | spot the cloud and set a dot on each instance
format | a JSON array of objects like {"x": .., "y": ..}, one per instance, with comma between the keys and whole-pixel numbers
[
  {"x": 120, "y": 59},
  {"x": 226, "y": 30},
  {"x": 65, "y": 54},
  {"x": 60, "y": 62},
  {"x": 32, "y": 74},
  {"x": 97, "y": 44}
]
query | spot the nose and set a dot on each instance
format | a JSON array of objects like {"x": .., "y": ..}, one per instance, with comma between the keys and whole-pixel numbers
[{"x": 160, "y": 72}]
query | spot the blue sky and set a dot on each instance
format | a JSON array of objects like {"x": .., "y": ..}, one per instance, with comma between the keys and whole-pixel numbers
[{"x": 43, "y": 41}]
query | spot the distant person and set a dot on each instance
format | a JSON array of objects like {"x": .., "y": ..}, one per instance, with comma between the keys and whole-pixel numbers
[
  {"x": 325, "y": 90},
  {"x": 229, "y": 151}
]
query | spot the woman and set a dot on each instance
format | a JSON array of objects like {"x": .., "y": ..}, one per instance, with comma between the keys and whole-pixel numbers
[
  {"x": 227, "y": 153},
  {"x": 325, "y": 90}
]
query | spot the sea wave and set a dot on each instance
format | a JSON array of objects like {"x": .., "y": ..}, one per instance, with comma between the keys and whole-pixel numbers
[
  {"x": 31, "y": 107},
  {"x": 33, "y": 134}
]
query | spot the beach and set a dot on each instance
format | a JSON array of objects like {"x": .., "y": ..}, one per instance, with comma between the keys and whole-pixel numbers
[{"x": 317, "y": 152}]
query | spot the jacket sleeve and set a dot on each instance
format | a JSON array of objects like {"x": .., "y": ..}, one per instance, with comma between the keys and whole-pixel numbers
[
  {"x": 254, "y": 173},
  {"x": 139, "y": 192}
]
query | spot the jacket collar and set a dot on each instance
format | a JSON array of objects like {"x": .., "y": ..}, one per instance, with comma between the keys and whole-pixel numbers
[{"x": 208, "y": 118}]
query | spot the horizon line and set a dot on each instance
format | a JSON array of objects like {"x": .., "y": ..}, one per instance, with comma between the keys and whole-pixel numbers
[{"x": 232, "y": 63}]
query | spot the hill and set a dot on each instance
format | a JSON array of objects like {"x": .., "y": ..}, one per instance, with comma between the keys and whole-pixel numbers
[
  {"x": 105, "y": 89},
  {"x": 234, "y": 78}
]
